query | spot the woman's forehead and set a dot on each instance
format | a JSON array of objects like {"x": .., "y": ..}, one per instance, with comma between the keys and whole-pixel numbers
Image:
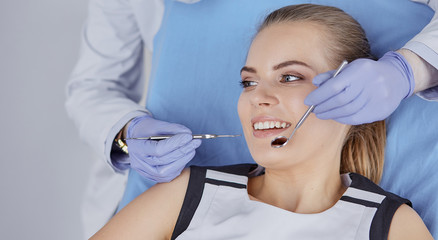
[{"x": 301, "y": 41}]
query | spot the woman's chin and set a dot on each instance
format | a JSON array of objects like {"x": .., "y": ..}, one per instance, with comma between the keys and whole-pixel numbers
[{"x": 270, "y": 157}]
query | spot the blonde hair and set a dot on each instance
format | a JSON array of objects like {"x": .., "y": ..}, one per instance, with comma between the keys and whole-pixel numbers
[{"x": 363, "y": 149}]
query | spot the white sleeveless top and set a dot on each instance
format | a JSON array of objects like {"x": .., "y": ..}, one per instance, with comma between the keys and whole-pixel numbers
[{"x": 217, "y": 206}]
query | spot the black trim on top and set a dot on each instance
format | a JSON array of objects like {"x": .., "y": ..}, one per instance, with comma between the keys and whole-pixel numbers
[
  {"x": 360, "y": 201},
  {"x": 382, "y": 219},
  {"x": 224, "y": 183},
  {"x": 360, "y": 182},
  {"x": 192, "y": 199},
  {"x": 238, "y": 169}
]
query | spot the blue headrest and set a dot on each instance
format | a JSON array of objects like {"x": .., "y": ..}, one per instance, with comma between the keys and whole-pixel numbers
[{"x": 411, "y": 157}]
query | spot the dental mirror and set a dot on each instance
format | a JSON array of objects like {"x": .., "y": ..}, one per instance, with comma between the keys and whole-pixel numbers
[{"x": 281, "y": 141}]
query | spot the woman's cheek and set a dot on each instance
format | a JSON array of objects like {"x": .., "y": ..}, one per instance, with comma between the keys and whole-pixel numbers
[
  {"x": 240, "y": 108},
  {"x": 243, "y": 110},
  {"x": 295, "y": 101}
]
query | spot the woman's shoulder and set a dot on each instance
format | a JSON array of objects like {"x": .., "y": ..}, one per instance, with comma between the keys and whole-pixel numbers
[
  {"x": 394, "y": 217},
  {"x": 407, "y": 224},
  {"x": 152, "y": 215}
]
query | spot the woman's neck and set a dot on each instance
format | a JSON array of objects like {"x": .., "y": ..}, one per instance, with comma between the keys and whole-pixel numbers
[{"x": 298, "y": 189}]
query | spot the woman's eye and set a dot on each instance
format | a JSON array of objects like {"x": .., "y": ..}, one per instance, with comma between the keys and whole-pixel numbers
[
  {"x": 246, "y": 84},
  {"x": 289, "y": 78}
]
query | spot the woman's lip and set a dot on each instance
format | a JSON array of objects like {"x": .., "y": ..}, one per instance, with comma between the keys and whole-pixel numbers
[
  {"x": 268, "y": 133},
  {"x": 267, "y": 119}
]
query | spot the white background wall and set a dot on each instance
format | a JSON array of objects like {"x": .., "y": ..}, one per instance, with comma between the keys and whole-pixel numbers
[{"x": 44, "y": 166}]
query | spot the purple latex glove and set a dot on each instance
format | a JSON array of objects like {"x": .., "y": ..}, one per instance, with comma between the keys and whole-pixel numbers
[
  {"x": 365, "y": 91},
  {"x": 162, "y": 160}
]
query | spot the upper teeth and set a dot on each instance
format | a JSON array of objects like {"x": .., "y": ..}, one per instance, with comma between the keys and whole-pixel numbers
[{"x": 269, "y": 125}]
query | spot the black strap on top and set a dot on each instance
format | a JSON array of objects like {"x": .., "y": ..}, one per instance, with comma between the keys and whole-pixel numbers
[
  {"x": 191, "y": 200},
  {"x": 379, "y": 229},
  {"x": 382, "y": 219},
  {"x": 195, "y": 190}
]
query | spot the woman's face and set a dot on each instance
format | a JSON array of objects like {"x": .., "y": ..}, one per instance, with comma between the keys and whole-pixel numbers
[{"x": 277, "y": 76}]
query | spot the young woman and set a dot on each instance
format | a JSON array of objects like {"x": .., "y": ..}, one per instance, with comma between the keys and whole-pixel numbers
[{"x": 301, "y": 191}]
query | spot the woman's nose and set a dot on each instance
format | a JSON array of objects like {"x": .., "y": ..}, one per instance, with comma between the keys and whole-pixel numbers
[{"x": 264, "y": 96}]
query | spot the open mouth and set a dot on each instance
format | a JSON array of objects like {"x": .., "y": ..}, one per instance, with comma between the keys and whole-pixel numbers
[{"x": 265, "y": 129}]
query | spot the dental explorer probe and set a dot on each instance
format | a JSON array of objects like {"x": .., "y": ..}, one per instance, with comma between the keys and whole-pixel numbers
[
  {"x": 281, "y": 141},
  {"x": 195, "y": 136}
]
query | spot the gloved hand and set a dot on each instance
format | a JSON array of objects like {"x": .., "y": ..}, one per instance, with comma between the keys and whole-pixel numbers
[
  {"x": 162, "y": 160},
  {"x": 365, "y": 91}
]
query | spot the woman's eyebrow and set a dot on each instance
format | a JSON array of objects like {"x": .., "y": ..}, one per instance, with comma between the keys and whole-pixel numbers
[
  {"x": 248, "y": 69},
  {"x": 290, "y": 62}
]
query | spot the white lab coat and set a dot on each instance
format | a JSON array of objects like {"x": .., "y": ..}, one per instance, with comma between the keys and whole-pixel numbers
[
  {"x": 425, "y": 45},
  {"x": 105, "y": 87}
]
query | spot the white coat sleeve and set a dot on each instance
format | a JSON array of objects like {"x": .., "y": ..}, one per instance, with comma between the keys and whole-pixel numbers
[
  {"x": 425, "y": 45},
  {"x": 107, "y": 82}
]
